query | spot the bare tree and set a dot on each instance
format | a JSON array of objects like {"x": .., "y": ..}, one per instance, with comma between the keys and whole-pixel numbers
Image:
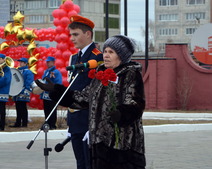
[
  {"x": 184, "y": 88},
  {"x": 151, "y": 34}
]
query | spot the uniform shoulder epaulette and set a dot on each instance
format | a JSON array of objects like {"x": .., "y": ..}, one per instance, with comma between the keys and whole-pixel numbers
[{"x": 96, "y": 51}]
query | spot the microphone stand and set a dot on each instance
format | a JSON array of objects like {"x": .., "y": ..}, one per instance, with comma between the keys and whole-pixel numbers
[
  {"x": 46, "y": 149},
  {"x": 45, "y": 126}
]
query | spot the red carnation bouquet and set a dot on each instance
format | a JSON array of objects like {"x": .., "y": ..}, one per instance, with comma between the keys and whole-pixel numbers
[{"x": 106, "y": 77}]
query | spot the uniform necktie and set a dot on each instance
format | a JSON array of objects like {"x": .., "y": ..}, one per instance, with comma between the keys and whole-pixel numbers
[{"x": 79, "y": 56}]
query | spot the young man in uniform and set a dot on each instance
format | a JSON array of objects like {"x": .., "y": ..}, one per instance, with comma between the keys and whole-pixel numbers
[
  {"x": 56, "y": 77},
  {"x": 81, "y": 34},
  {"x": 22, "y": 98}
]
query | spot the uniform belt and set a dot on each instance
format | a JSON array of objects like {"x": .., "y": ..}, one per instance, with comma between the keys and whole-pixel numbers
[
  {"x": 4, "y": 96},
  {"x": 72, "y": 110}
]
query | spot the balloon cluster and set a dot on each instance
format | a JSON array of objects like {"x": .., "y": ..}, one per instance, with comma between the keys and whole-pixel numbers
[
  {"x": 61, "y": 20},
  {"x": 16, "y": 37}
]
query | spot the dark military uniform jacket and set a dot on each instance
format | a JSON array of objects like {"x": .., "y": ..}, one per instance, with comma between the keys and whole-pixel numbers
[{"x": 77, "y": 120}]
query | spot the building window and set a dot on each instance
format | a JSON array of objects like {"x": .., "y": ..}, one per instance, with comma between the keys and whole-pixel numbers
[
  {"x": 51, "y": 18},
  {"x": 35, "y": 4},
  {"x": 194, "y": 16},
  {"x": 54, "y": 3},
  {"x": 168, "y": 31},
  {"x": 195, "y": 2},
  {"x": 36, "y": 19},
  {"x": 112, "y": 9},
  {"x": 168, "y": 2},
  {"x": 112, "y": 23},
  {"x": 99, "y": 36},
  {"x": 168, "y": 17},
  {"x": 190, "y": 31}
]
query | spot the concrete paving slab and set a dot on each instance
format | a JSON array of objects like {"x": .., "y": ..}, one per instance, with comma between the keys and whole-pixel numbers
[{"x": 168, "y": 150}]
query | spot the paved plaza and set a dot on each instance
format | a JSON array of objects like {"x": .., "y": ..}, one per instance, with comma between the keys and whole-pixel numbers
[
  {"x": 182, "y": 146},
  {"x": 166, "y": 150}
]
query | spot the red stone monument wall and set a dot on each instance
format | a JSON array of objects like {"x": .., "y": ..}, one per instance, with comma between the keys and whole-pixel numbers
[{"x": 177, "y": 82}]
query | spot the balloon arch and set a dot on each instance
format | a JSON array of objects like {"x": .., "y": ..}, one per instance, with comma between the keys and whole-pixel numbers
[{"x": 16, "y": 37}]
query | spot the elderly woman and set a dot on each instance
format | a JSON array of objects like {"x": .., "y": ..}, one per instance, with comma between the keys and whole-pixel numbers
[{"x": 116, "y": 106}]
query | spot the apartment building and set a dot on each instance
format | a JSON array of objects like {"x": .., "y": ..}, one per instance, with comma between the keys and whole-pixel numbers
[
  {"x": 38, "y": 14},
  {"x": 177, "y": 20},
  {"x": 4, "y": 13}
]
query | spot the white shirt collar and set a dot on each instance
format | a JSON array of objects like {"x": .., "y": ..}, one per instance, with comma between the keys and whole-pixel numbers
[{"x": 85, "y": 48}]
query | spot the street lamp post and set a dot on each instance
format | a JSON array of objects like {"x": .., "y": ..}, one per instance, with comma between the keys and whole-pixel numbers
[
  {"x": 106, "y": 19},
  {"x": 146, "y": 34},
  {"x": 125, "y": 17}
]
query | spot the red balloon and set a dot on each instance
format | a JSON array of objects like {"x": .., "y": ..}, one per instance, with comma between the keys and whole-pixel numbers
[
  {"x": 57, "y": 38},
  {"x": 65, "y": 82},
  {"x": 62, "y": 46},
  {"x": 58, "y": 54},
  {"x": 64, "y": 37},
  {"x": 68, "y": 6},
  {"x": 59, "y": 63},
  {"x": 73, "y": 50},
  {"x": 51, "y": 50},
  {"x": 61, "y": 6},
  {"x": 59, "y": 13},
  {"x": 76, "y": 8},
  {"x": 66, "y": 54},
  {"x": 39, "y": 63},
  {"x": 55, "y": 13},
  {"x": 40, "y": 70},
  {"x": 36, "y": 102},
  {"x": 64, "y": 21},
  {"x": 63, "y": 71},
  {"x": 71, "y": 13},
  {"x": 59, "y": 29},
  {"x": 56, "y": 21}
]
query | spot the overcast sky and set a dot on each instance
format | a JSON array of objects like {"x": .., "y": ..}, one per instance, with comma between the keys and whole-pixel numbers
[{"x": 136, "y": 18}]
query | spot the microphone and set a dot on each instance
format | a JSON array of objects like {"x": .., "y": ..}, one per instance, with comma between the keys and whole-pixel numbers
[
  {"x": 90, "y": 64},
  {"x": 59, "y": 147}
]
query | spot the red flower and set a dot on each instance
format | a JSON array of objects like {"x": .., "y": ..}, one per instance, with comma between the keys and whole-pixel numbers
[
  {"x": 92, "y": 73},
  {"x": 103, "y": 76},
  {"x": 105, "y": 82},
  {"x": 106, "y": 77},
  {"x": 109, "y": 71},
  {"x": 99, "y": 75},
  {"x": 112, "y": 75}
]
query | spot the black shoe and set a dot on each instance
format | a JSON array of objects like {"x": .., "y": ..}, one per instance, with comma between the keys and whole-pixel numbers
[
  {"x": 15, "y": 125},
  {"x": 24, "y": 126}
]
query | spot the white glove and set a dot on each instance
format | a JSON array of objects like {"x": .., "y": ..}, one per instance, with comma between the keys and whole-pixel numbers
[
  {"x": 68, "y": 134},
  {"x": 86, "y": 137}
]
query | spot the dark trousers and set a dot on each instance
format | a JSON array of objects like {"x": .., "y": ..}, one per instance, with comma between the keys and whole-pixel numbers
[
  {"x": 22, "y": 113},
  {"x": 81, "y": 151},
  {"x": 48, "y": 106},
  {"x": 2, "y": 115}
]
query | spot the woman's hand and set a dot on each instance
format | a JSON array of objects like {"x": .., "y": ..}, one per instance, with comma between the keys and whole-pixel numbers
[
  {"x": 115, "y": 116},
  {"x": 49, "y": 86}
]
